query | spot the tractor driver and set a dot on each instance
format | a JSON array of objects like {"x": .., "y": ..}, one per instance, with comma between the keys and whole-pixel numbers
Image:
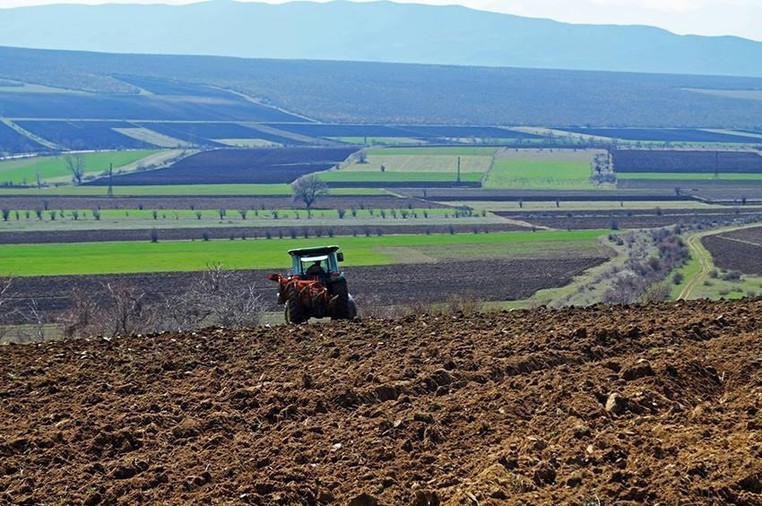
[{"x": 316, "y": 269}]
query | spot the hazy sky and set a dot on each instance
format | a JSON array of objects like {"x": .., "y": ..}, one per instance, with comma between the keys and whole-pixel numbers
[{"x": 704, "y": 17}]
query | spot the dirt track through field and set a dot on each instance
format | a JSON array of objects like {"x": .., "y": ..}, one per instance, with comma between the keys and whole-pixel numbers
[{"x": 655, "y": 404}]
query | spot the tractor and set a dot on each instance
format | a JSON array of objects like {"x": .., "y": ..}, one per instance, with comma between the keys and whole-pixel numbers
[{"x": 315, "y": 287}]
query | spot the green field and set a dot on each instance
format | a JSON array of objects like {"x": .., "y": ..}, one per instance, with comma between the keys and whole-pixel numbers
[
  {"x": 692, "y": 176},
  {"x": 24, "y": 171},
  {"x": 133, "y": 257},
  {"x": 415, "y": 165},
  {"x": 174, "y": 190},
  {"x": 539, "y": 174},
  {"x": 421, "y": 163}
]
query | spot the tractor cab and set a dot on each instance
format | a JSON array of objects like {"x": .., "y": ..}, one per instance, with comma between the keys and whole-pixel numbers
[{"x": 321, "y": 261}]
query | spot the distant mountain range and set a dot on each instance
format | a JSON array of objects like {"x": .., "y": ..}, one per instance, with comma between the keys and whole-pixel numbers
[{"x": 377, "y": 31}]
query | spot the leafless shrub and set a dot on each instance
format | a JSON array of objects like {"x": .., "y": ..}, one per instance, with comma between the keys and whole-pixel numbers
[
  {"x": 657, "y": 292},
  {"x": 732, "y": 276},
  {"x": 36, "y": 331},
  {"x": 80, "y": 318},
  {"x": 215, "y": 298},
  {"x": 371, "y": 306},
  {"x": 5, "y": 287},
  {"x": 463, "y": 303},
  {"x": 420, "y": 307}
]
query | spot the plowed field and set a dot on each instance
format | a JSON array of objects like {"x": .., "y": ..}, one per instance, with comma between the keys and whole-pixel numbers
[
  {"x": 739, "y": 250},
  {"x": 628, "y": 405}
]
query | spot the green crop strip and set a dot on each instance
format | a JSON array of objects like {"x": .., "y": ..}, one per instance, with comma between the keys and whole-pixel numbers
[
  {"x": 537, "y": 174},
  {"x": 175, "y": 256}
]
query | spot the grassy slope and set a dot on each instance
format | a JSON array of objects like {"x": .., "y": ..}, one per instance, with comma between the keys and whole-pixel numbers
[
  {"x": 126, "y": 257},
  {"x": 26, "y": 170}
]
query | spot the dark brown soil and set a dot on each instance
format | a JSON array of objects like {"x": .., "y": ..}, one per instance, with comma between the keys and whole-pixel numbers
[
  {"x": 737, "y": 251},
  {"x": 630, "y": 219},
  {"x": 379, "y": 285},
  {"x": 714, "y": 191},
  {"x": 465, "y": 194},
  {"x": 231, "y": 203},
  {"x": 654, "y": 404}
]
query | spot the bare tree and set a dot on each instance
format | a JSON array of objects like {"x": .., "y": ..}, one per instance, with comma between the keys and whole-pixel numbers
[
  {"x": 128, "y": 313},
  {"x": 308, "y": 189},
  {"x": 81, "y": 317},
  {"x": 76, "y": 164},
  {"x": 36, "y": 329},
  {"x": 5, "y": 286}
]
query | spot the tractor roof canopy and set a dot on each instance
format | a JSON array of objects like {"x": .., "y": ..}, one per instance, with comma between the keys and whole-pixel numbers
[{"x": 313, "y": 252}]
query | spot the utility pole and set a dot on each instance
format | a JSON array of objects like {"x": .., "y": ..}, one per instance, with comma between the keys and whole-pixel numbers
[
  {"x": 110, "y": 191},
  {"x": 458, "y": 178},
  {"x": 716, "y": 164}
]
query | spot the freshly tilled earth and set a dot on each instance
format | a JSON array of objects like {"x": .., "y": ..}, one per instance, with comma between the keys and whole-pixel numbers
[{"x": 656, "y": 404}]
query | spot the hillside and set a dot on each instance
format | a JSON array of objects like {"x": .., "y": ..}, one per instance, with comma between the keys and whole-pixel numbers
[
  {"x": 654, "y": 404},
  {"x": 153, "y": 87},
  {"x": 375, "y": 31}
]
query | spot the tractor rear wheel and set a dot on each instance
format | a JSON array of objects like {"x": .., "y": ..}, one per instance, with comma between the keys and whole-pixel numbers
[
  {"x": 341, "y": 308},
  {"x": 294, "y": 312}
]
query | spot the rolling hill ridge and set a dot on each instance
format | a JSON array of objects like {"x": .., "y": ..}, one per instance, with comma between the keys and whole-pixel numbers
[{"x": 376, "y": 31}]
